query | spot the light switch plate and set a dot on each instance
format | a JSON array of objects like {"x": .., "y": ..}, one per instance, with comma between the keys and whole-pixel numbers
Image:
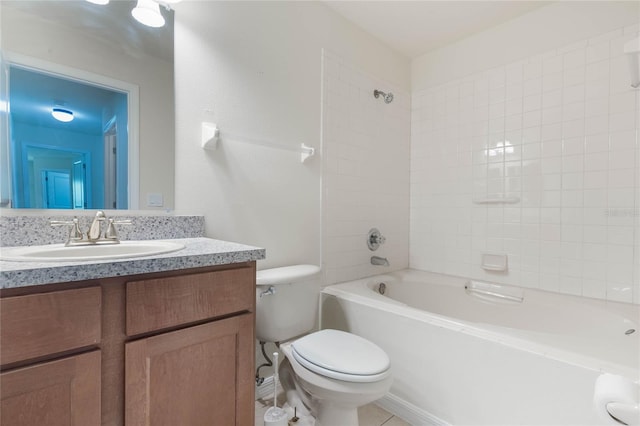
[{"x": 155, "y": 200}]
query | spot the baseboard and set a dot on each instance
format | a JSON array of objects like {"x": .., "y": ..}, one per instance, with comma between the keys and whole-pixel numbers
[
  {"x": 409, "y": 412},
  {"x": 265, "y": 389}
]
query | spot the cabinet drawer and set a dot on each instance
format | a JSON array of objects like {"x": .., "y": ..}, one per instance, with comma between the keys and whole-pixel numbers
[
  {"x": 48, "y": 323},
  {"x": 56, "y": 393},
  {"x": 156, "y": 304}
]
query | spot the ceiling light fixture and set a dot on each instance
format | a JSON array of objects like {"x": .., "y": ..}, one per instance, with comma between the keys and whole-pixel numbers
[
  {"x": 147, "y": 12},
  {"x": 62, "y": 114},
  {"x": 100, "y": 2}
]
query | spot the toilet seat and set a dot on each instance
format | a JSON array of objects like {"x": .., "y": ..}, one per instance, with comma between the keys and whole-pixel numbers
[{"x": 341, "y": 356}]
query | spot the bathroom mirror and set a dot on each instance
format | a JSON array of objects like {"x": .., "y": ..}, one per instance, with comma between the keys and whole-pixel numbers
[{"x": 118, "y": 150}]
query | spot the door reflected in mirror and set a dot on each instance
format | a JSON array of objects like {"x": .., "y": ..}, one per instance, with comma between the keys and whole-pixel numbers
[{"x": 78, "y": 162}]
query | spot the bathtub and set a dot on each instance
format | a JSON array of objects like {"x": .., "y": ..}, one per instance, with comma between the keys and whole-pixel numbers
[{"x": 474, "y": 353}]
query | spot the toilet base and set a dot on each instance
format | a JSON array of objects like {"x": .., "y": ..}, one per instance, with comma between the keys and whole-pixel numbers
[{"x": 331, "y": 415}]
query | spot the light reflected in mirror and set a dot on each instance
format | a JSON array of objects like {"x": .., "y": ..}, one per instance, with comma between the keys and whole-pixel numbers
[{"x": 51, "y": 52}]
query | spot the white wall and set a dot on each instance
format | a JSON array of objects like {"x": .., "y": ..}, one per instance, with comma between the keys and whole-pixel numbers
[
  {"x": 254, "y": 69},
  {"x": 560, "y": 95}
]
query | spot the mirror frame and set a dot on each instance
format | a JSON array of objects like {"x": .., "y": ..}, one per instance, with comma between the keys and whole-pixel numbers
[{"x": 133, "y": 107}]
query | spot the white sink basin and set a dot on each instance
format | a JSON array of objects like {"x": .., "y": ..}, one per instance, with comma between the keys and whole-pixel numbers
[{"x": 60, "y": 253}]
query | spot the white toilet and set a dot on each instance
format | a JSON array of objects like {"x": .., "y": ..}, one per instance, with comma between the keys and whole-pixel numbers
[{"x": 330, "y": 372}]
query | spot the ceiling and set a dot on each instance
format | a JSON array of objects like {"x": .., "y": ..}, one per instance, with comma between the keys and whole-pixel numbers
[
  {"x": 112, "y": 24},
  {"x": 34, "y": 94},
  {"x": 416, "y": 27}
]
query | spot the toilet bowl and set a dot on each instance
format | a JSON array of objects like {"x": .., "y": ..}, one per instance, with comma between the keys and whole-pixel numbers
[
  {"x": 329, "y": 373},
  {"x": 333, "y": 373}
]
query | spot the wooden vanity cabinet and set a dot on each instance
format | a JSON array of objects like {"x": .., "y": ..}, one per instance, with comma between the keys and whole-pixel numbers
[
  {"x": 172, "y": 348},
  {"x": 200, "y": 375},
  {"x": 196, "y": 375},
  {"x": 52, "y": 340}
]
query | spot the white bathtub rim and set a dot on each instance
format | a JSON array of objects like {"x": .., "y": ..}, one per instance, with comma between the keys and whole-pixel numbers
[{"x": 363, "y": 295}]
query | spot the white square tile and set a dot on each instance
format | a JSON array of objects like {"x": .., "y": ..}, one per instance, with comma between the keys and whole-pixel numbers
[
  {"x": 597, "y": 88},
  {"x": 532, "y": 69},
  {"x": 620, "y": 141},
  {"x": 594, "y": 234},
  {"x": 532, "y": 102},
  {"x": 595, "y": 198},
  {"x": 597, "y": 71},
  {"x": 573, "y": 94},
  {"x": 573, "y": 111},
  {"x": 574, "y": 59},
  {"x": 574, "y": 76},
  {"x": 618, "y": 292},
  {"x": 596, "y": 142},
  {"x": 532, "y": 87},
  {"x": 595, "y": 216},
  {"x": 551, "y": 65},
  {"x": 596, "y": 161},
  {"x": 552, "y": 82},
  {"x": 621, "y": 178},
  {"x": 622, "y": 159},
  {"x": 572, "y": 198},
  {"x": 514, "y": 72},
  {"x": 572, "y": 163},
  {"x": 594, "y": 288},
  {"x": 597, "y": 52},
  {"x": 622, "y": 102},
  {"x": 572, "y": 181},
  {"x": 575, "y": 128},
  {"x": 532, "y": 118},
  {"x": 552, "y": 131},
  {"x": 621, "y": 197},
  {"x": 622, "y": 122},
  {"x": 551, "y": 148},
  {"x": 573, "y": 146},
  {"x": 551, "y": 165},
  {"x": 596, "y": 106},
  {"x": 595, "y": 179},
  {"x": 551, "y": 115}
]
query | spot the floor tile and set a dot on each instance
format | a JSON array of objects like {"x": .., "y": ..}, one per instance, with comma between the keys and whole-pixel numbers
[
  {"x": 369, "y": 415},
  {"x": 372, "y": 415}
]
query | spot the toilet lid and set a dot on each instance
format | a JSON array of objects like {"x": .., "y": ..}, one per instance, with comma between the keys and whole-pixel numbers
[{"x": 341, "y": 356}]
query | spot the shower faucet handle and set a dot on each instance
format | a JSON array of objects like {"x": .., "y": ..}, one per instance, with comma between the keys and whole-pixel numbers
[{"x": 375, "y": 239}]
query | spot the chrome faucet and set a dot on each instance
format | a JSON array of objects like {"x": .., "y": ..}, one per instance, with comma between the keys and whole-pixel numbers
[
  {"x": 95, "y": 230},
  {"x": 94, "y": 234},
  {"x": 379, "y": 261}
]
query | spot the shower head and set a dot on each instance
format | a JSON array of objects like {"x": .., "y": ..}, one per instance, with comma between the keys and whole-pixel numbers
[{"x": 388, "y": 97}]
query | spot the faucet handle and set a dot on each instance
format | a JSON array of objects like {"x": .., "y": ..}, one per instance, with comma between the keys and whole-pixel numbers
[
  {"x": 375, "y": 239},
  {"x": 74, "y": 233},
  {"x": 111, "y": 233}
]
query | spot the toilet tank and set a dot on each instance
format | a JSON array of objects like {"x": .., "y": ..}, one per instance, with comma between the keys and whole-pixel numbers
[{"x": 286, "y": 302}]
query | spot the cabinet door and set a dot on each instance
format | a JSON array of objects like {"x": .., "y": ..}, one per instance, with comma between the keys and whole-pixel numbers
[
  {"x": 56, "y": 393},
  {"x": 201, "y": 375}
]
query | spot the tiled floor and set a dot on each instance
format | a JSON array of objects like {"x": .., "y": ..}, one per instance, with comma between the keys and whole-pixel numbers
[{"x": 369, "y": 415}]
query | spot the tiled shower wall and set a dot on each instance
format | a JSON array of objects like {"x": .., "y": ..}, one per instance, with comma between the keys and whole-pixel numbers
[
  {"x": 365, "y": 173},
  {"x": 559, "y": 131}
]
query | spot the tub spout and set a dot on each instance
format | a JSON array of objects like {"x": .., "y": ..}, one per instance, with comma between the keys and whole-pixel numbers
[{"x": 379, "y": 261}]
